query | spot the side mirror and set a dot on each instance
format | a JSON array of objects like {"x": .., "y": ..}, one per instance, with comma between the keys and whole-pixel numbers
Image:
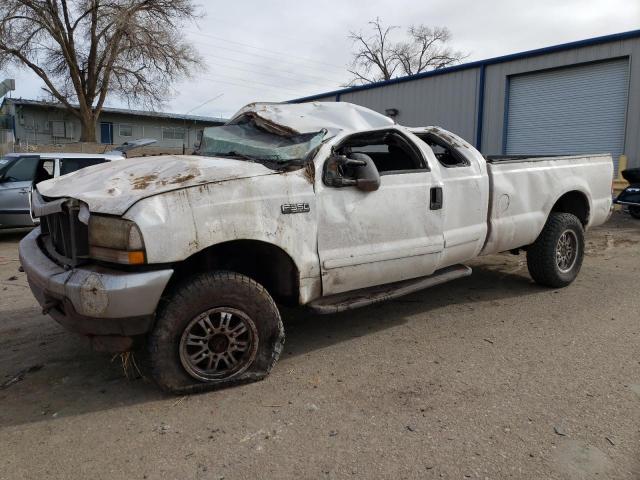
[{"x": 357, "y": 171}]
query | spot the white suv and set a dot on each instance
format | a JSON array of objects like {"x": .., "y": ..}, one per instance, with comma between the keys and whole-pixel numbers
[{"x": 20, "y": 171}]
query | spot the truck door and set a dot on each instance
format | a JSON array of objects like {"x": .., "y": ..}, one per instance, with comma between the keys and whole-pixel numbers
[
  {"x": 368, "y": 238},
  {"x": 15, "y": 184},
  {"x": 466, "y": 193}
]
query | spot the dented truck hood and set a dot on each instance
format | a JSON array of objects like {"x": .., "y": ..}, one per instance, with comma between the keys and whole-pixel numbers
[{"x": 113, "y": 187}]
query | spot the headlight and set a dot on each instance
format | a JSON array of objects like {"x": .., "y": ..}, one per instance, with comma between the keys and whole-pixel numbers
[{"x": 116, "y": 240}]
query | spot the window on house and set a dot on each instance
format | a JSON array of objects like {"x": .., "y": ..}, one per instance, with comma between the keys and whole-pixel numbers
[
  {"x": 57, "y": 129},
  {"x": 173, "y": 133},
  {"x": 126, "y": 130}
]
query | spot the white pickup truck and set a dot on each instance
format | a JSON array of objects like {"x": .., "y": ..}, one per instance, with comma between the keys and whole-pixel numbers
[{"x": 328, "y": 205}]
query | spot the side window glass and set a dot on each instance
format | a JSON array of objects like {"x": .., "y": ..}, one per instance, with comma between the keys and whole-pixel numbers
[
  {"x": 23, "y": 170},
  {"x": 390, "y": 152},
  {"x": 48, "y": 167},
  {"x": 69, "y": 165},
  {"x": 447, "y": 156},
  {"x": 44, "y": 171}
]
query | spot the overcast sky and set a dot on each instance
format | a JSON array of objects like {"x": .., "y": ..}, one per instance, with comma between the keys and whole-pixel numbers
[{"x": 282, "y": 49}]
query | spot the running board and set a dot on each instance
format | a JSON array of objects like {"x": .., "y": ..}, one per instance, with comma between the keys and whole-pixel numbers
[{"x": 380, "y": 293}]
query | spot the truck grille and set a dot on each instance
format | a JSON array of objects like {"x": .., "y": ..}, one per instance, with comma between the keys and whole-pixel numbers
[{"x": 65, "y": 237}]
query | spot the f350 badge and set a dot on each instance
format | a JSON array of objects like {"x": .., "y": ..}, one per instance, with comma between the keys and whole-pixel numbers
[{"x": 295, "y": 208}]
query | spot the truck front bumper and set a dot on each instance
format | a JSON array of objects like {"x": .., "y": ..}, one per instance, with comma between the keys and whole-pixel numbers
[{"x": 93, "y": 300}]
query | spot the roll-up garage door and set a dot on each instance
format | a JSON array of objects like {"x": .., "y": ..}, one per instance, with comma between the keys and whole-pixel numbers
[{"x": 579, "y": 109}]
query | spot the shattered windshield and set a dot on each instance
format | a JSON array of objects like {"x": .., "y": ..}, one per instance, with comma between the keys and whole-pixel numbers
[{"x": 247, "y": 140}]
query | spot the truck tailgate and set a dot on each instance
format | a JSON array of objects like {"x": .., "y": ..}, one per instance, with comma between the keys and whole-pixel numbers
[{"x": 523, "y": 192}]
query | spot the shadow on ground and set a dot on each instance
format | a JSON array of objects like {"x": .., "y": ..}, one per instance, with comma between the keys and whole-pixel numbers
[
  {"x": 13, "y": 234},
  {"x": 78, "y": 381}
]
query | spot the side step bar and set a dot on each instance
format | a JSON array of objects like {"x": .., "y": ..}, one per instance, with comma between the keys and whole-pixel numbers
[{"x": 380, "y": 293}]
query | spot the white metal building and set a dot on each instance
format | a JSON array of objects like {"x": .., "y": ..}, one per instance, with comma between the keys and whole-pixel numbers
[{"x": 579, "y": 97}]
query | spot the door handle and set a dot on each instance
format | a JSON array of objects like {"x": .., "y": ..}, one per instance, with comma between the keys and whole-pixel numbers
[
  {"x": 436, "y": 198},
  {"x": 23, "y": 191}
]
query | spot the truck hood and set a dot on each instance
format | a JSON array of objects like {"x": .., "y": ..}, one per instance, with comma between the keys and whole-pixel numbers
[{"x": 113, "y": 187}]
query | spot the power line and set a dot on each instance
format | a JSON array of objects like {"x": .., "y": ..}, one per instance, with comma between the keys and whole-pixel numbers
[
  {"x": 276, "y": 75},
  {"x": 263, "y": 66},
  {"x": 276, "y": 90},
  {"x": 253, "y": 82},
  {"x": 307, "y": 59},
  {"x": 244, "y": 52},
  {"x": 227, "y": 23}
]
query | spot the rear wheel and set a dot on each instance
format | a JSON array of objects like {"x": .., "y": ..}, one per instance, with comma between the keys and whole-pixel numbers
[
  {"x": 634, "y": 211},
  {"x": 214, "y": 330},
  {"x": 555, "y": 258}
]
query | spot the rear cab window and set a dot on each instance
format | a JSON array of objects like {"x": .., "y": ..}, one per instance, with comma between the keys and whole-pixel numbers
[{"x": 447, "y": 153}]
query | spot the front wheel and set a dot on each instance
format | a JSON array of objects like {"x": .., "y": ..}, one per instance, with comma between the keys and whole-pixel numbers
[
  {"x": 555, "y": 258},
  {"x": 634, "y": 210},
  {"x": 214, "y": 330}
]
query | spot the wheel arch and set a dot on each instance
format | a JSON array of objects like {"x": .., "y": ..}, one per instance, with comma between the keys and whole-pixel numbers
[
  {"x": 575, "y": 202},
  {"x": 264, "y": 262}
]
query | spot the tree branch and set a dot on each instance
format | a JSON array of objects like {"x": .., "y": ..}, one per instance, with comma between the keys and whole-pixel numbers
[{"x": 377, "y": 58}]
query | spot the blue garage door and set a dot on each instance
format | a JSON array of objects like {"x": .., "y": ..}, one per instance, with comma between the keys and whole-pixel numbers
[{"x": 570, "y": 110}]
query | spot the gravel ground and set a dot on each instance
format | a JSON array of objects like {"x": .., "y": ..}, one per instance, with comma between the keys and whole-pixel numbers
[{"x": 487, "y": 377}]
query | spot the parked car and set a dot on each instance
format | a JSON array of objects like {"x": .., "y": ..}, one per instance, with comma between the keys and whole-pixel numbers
[
  {"x": 328, "y": 205},
  {"x": 20, "y": 171},
  {"x": 629, "y": 198}
]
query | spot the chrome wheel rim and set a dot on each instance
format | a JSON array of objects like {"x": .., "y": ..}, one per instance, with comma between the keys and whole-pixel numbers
[
  {"x": 219, "y": 343},
  {"x": 567, "y": 251}
]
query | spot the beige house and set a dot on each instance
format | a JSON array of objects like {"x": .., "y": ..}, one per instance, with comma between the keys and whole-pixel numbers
[{"x": 35, "y": 122}]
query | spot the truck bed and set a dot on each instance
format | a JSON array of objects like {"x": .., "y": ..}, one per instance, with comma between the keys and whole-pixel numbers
[{"x": 524, "y": 190}]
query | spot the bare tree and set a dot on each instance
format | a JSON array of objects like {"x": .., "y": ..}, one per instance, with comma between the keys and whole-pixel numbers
[
  {"x": 85, "y": 50},
  {"x": 373, "y": 59},
  {"x": 426, "y": 49},
  {"x": 378, "y": 58}
]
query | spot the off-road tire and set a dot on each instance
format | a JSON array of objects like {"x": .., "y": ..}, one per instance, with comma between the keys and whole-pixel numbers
[
  {"x": 196, "y": 295},
  {"x": 541, "y": 255},
  {"x": 634, "y": 211}
]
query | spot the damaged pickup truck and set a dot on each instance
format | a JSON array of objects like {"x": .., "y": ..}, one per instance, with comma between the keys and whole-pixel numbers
[{"x": 328, "y": 205}]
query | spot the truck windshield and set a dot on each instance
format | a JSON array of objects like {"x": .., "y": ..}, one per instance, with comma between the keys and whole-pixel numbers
[{"x": 247, "y": 140}]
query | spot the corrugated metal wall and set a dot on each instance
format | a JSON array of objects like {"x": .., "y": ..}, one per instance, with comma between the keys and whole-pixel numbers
[
  {"x": 569, "y": 110},
  {"x": 449, "y": 101},
  {"x": 496, "y": 85}
]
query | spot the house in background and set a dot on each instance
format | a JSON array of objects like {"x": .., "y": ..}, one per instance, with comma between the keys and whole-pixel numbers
[{"x": 35, "y": 122}]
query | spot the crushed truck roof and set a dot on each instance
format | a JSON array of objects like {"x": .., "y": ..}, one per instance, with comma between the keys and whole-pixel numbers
[{"x": 312, "y": 117}]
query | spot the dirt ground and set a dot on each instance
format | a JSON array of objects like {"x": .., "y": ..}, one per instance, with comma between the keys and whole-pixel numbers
[{"x": 487, "y": 377}]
